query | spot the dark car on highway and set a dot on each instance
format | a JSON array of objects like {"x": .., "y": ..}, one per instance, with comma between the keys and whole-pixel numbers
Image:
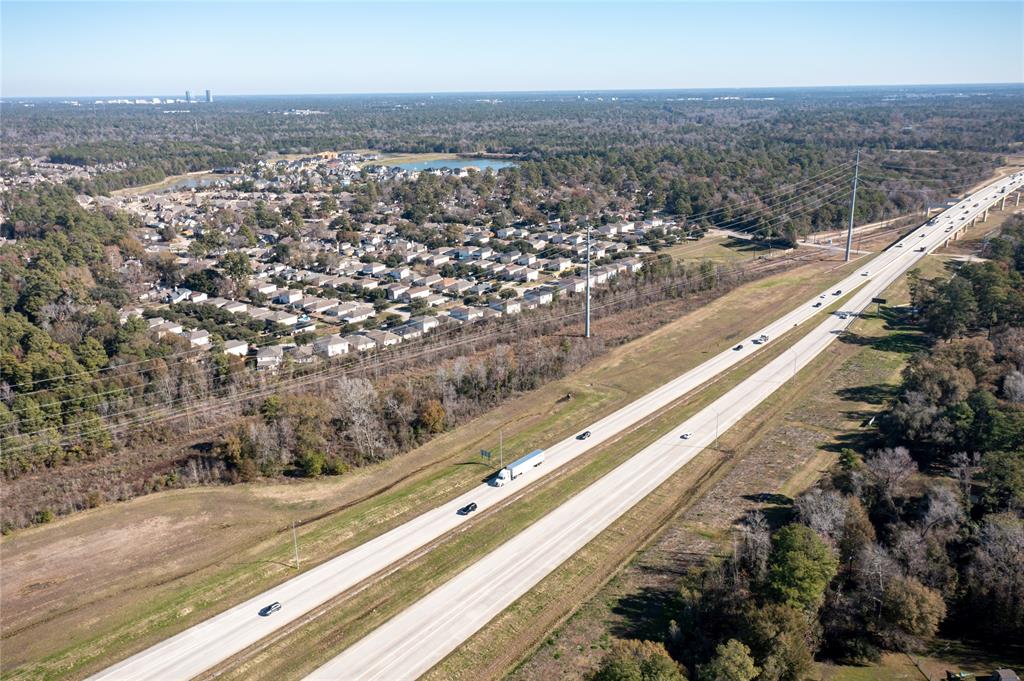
[
  {"x": 584, "y": 435},
  {"x": 270, "y": 609},
  {"x": 468, "y": 508}
]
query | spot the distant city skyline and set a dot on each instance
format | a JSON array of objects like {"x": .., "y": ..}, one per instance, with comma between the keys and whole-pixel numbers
[{"x": 83, "y": 49}]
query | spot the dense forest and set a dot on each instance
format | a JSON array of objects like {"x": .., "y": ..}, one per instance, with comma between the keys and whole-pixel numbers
[
  {"x": 920, "y": 534},
  {"x": 679, "y": 151},
  {"x": 73, "y": 378}
]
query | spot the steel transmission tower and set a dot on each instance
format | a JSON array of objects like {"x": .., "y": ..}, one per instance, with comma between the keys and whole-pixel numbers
[
  {"x": 853, "y": 206},
  {"x": 586, "y": 326}
]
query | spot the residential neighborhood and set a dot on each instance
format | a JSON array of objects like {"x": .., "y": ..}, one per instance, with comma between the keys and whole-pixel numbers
[{"x": 316, "y": 278}]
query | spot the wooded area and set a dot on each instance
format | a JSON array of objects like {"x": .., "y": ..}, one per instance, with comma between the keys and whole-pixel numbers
[
  {"x": 919, "y": 534},
  {"x": 73, "y": 378}
]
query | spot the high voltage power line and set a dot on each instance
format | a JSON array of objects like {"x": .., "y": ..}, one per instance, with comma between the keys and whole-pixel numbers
[{"x": 204, "y": 353}]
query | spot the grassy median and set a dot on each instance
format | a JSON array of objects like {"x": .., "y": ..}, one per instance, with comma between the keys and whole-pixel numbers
[{"x": 130, "y": 611}]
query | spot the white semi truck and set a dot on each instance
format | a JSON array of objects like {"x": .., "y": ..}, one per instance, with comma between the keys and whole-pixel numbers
[{"x": 519, "y": 466}]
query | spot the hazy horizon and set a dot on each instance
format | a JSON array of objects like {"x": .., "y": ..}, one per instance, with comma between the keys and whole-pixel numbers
[
  {"x": 70, "y": 49},
  {"x": 199, "y": 95}
]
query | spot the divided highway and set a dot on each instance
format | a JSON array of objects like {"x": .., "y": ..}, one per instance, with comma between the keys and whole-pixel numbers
[
  {"x": 411, "y": 643},
  {"x": 217, "y": 639}
]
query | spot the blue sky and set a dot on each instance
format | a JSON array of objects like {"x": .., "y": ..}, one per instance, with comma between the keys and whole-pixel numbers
[{"x": 161, "y": 48}]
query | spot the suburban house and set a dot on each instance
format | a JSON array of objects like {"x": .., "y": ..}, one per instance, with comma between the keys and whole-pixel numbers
[
  {"x": 540, "y": 296},
  {"x": 400, "y": 273},
  {"x": 359, "y": 343},
  {"x": 358, "y": 314},
  {"x": 395, "y": 291},
  {"x": 465, "y": 314},
  {"x": 285, "y": 318},
  {"x": 266, "y": 288},
  {"x": 197, "y": 338},
  {"x": 331, "y": 346},
  {"x": 573, "y": 285},
  {"x": 236, "y": 347},
  {"x": 166, "y": 328},
  {"x": 424, "y": 323},
  {"x": 416, "y": 292},
  {"x": 507, "y": 306},
  {"x": 428, "y": 280},
  {"x": 317, "y": 305},
  {"x": 288, "y": 296},
  {"x": 302, "y": 354},
  {"x": 383, "y": 339},
  {"x": 269, "y": 358},
  {"x": 235, "y": 307},
  {"x": 407, "y": 332}
]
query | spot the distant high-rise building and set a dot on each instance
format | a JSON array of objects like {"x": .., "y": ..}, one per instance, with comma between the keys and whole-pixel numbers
[
  {"x": 188, "y": 96},
  {"x": 209, "y": 97}
]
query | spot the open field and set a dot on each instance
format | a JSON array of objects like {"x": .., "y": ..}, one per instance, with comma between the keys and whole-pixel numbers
[
  {"x": 231, "y": 559},
  {"x": 162, "y": 184},
  {"x": 718, "y": 248},
  {"x": 941, "y": 656}
]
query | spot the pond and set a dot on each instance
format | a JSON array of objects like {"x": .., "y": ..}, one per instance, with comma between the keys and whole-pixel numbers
[
  {"x": 199, "y": 182},
  {"x": 481, "y": 164}
]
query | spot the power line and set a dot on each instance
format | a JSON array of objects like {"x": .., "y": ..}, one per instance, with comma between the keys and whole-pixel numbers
[
  {"x": 327, "y": 373},
  {"x": 367, "y": 361},
  {"x": 129, "y": 389},
  {"x": 205, "y": 355}
]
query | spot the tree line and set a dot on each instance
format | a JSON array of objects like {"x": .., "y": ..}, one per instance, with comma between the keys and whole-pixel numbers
[{"x": 920, "y": 534}]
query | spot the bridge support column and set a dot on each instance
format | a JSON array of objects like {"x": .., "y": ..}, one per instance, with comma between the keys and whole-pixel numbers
[
  {"x": 984, "y": 217},
  {"x": 1018, "y": 200},
  {"x": 1002, "y": 205}
]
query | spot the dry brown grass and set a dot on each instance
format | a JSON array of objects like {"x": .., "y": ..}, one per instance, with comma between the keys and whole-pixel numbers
[{"x": 197, "y": 551}]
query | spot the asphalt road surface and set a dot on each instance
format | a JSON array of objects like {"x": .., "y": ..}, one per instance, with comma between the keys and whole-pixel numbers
[
  {"x": 215, "y": 640},
  {"x": 422, "y": 635}
]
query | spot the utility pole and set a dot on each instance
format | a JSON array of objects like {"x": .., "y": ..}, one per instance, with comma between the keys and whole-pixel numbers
[
  {"x": 586, "y": 327},
  {"x": 853, "y": 206},
  {"x": 501, "y": 451},
  {"x": 295, "y": 544}
]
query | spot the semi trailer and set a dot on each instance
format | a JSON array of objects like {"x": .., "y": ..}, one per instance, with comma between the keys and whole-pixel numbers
[{"x": 519, "y": 466}]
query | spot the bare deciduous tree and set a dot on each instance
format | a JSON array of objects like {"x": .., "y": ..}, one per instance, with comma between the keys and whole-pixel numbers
[
  {"x": 824, "y": 511},
  {"x": 889, "y": 468},
  {"x": 755, "y": 544}
]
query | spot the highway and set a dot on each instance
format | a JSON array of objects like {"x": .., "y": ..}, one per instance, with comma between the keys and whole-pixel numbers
[
  {"x": 411, "y": 643},
  {"x": 215, "y": 640}
]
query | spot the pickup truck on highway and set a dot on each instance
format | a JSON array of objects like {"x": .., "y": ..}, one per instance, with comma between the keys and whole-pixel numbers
[{"x": 519, "y": 466}]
